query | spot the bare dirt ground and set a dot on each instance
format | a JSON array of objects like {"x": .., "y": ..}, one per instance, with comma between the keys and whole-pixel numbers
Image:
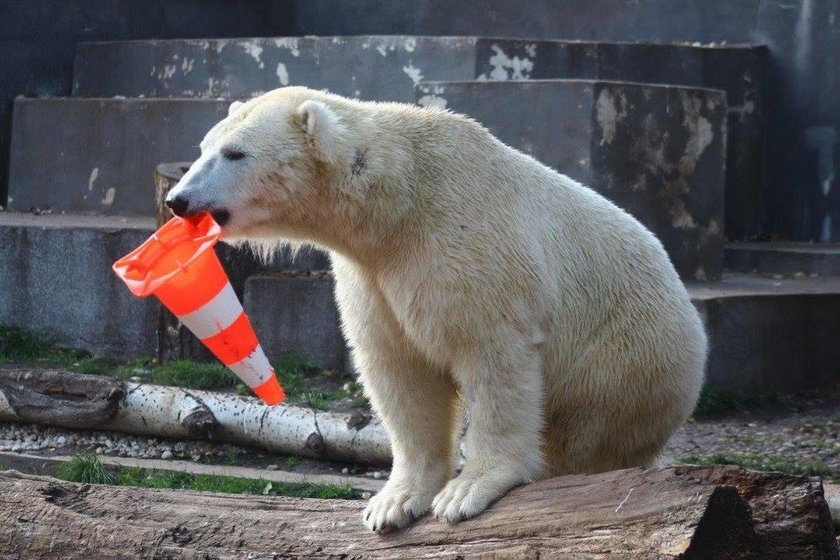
[{"x": 797, "y": 434}]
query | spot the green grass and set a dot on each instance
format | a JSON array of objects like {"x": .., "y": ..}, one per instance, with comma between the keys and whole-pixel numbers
[
  {"x": 756, "y": 462},
  {"x": 17, "y": 345},
  {"x": 291, "y": 372},
  {"x": 355, "y": 391},
  {"x": 716, "y": 401},
  {"x": 292, "y": 461},
  {"x": 86, "y": 468},
  {"x": 193, "y": 375}
]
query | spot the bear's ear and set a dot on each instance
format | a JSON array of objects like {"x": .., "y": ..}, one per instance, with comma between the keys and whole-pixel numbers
[
  {"x": 234, "y": 107},
  {"x": 323, "y": 127}
]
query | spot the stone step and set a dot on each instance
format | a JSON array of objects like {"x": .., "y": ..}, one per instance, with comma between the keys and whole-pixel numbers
[
  {"x": 765, "y": 334},
  {"x": 56, "y": 277},
  {"x": 739, "y": 70},
  {"x": 99, "y": 155},
  {"x": 783, "y": 258},
  {"x": 370, "y": 67},
  {"x": 295, "y": 314},
  {"x": 386, "y": 68},
  {"x": 771, "y": 334},
  {"x": 656, "y": 151},
  {"x": 56, "y": 280}
]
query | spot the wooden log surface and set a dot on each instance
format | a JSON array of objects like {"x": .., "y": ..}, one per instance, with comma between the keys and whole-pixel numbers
[{"x": 687, "y": 512}]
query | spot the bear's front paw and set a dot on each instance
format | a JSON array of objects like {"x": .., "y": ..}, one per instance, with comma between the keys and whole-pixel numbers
[
  {"x": 469, "y": 494},
  {"x": 395, "y": 506}
]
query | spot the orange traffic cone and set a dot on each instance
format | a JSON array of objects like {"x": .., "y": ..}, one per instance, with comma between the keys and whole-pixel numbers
[{"x": 179, "y": 266}]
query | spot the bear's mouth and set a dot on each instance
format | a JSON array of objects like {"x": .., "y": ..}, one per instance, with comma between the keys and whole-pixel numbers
[{"x": 222, "y": 217}]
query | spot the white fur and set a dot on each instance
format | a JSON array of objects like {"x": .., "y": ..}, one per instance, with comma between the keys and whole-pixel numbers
[{"x": 470, "y": 278}]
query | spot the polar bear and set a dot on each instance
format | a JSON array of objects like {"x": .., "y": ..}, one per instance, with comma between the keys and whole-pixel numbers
[{"x": 472, "y": 282}]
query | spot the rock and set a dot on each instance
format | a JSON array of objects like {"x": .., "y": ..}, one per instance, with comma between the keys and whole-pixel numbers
[
  {"x": 272, "y": 468},
  {"x": 61, "y": 441},
  {"x": 166, "y": 454}
]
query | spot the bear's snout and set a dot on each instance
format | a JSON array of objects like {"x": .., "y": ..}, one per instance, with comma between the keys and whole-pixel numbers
[{"x": 178, "y": 205}]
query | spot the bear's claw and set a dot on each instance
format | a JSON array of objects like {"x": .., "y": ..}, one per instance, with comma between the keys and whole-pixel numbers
[
  {"x": 395, "y": 508},
  {"x": 469, "y": 494}
]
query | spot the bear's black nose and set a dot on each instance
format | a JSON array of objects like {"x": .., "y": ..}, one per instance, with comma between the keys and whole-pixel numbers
[{"x": 178, "y": 205}]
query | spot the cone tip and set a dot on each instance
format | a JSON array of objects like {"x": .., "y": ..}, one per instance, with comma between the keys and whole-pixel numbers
[{"x": 270, "y": 391}]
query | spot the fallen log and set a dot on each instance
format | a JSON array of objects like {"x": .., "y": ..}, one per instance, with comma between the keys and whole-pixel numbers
[
  {"x": 689, "y": 513},
  {"x": 62, "y": 398}
]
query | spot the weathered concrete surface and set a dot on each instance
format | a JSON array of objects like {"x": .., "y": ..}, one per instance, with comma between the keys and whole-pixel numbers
[
  {"x": 764, "y": 333},
  {"x": 56, "y": 280},
  {"x": 369, "y": 67},
  {"x": 771, "y": 334},
  {"x": 656, "y": 151},
  {"x": 385, "y": 68},
  {"x": 739, "y": 70},
  {"x": 296, "y": 315},
  {"x": 783, "y": 258},
  {"x": 99, "y": 155}
]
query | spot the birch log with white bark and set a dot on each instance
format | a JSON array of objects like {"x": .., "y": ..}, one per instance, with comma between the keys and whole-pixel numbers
[{"x": 101, "y": 403}]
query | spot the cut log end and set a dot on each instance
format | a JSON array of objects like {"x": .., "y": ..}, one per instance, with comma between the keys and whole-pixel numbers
[{"x": 50, "y": 396}]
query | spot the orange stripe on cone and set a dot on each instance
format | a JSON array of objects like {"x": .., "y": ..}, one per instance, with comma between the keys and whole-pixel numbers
[
  {"x": 178, "y": 264},
  {"x": 234, "y": 343}
]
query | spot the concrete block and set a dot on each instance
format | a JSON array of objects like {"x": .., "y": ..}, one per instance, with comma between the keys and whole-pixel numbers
[
  {"x": 739, "y": 70},
  {"x": 656, "y": 151},
  {"x": 771, "y": 334},
  {"x": 369, "y": 67},
  {"x": 385, "y": 68},
  {"x": 99, "y": 155},
  {"x": 56, "y": 280},
  {"x": 295, "y": 314},
  {"x": 783, "y": 258}
]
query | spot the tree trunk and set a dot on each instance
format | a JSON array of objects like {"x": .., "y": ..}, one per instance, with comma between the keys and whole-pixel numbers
[
  {"x": 689, "y": 513},
  {"x": 101, "y": 403},
  {"x": 176, "y": 342}
]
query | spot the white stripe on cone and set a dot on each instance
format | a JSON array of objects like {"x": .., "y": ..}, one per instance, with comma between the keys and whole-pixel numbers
[
  {"x": 253, "y": 370},
  {"x": 215, "y": 315}
]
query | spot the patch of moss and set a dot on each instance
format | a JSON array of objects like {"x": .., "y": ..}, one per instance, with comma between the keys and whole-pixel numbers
[
  {"x": 757, "y": 462},
  {"x": 717, "y": 401}
]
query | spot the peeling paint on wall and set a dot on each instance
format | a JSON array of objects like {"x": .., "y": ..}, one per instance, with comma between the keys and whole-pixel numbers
[
  {"x": 108, "y": 199},
  {"x": 608, "y": 115},
  {"x": 291, "y": 43},
  {"x": 282, "y": 74},
  {"x": 509, "y": 68},
  {"x": 187, "y": 65},
  {"x": 700, "y": 132},
  {"x": 432, "y": 101},
  {"x": 94, "y": 174},
  {"x": 414, "y": 73}
]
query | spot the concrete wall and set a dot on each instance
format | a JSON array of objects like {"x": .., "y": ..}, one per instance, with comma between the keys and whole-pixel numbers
[
  {"x": 803, "y": 199},
  {"x": 38, "y": 38},
  {"x": 803, "y": 196}
]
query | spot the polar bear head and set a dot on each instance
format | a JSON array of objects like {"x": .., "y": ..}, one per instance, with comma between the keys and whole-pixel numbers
[{"x": 293, "y": 164}]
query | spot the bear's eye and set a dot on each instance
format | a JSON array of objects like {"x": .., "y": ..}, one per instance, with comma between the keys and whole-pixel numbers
[{"x": 232, "y": 154}]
